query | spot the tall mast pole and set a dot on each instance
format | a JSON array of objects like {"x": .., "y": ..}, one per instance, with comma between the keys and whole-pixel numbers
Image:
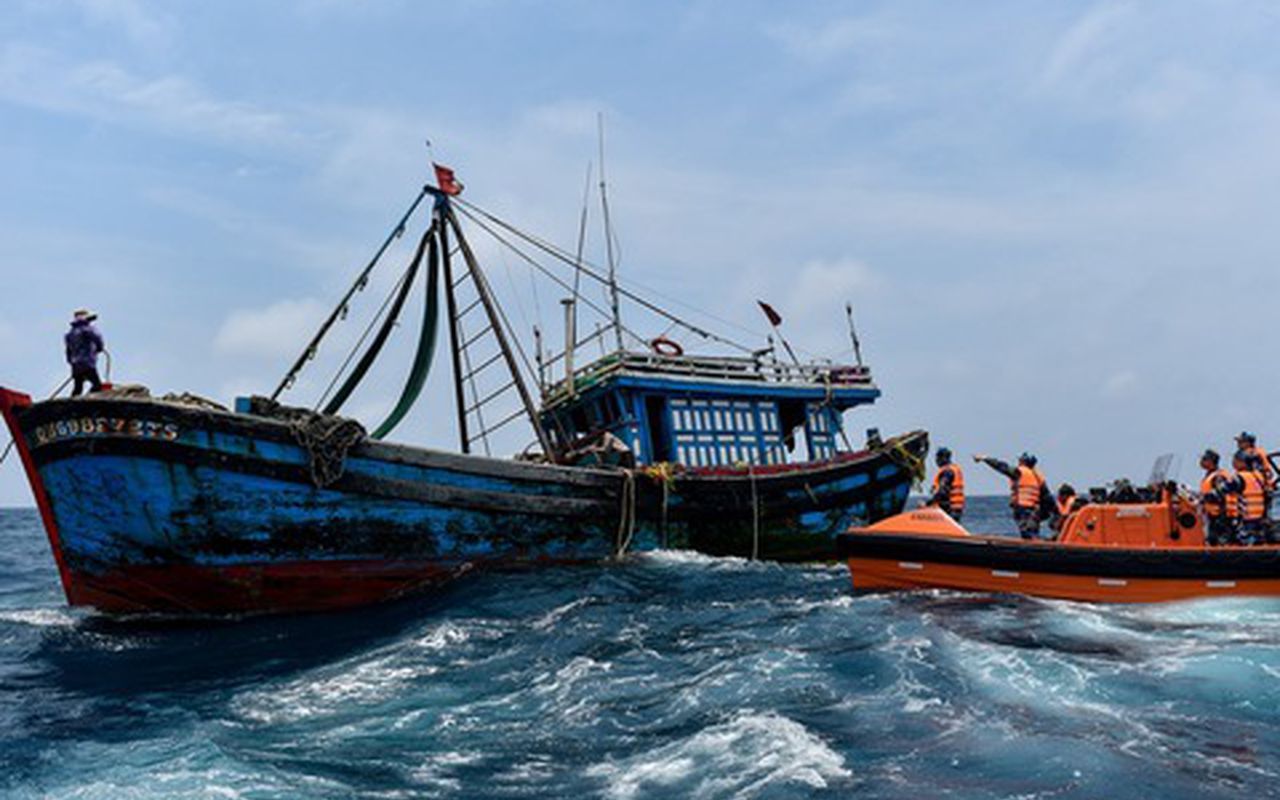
[
  {"x": 455, "y": 338},
  {"x": 571, "y": 319},
  {"x": 608, "y": 241}
]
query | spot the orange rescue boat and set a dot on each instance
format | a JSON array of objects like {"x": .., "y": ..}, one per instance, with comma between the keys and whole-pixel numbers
[{"x": 1116, "y": 552}]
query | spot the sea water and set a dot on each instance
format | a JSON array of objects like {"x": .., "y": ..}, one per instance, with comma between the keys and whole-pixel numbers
[{"x": 667, "y": 675}]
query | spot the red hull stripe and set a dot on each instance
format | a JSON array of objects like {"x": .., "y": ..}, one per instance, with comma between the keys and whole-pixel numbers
[{"x": 254, "y": 588}]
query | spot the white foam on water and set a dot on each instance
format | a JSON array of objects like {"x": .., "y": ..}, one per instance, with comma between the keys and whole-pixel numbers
[
  {"x": 436, "y": 773},
  {"x": 694, "y": 558},
  {"x": 806, "y": 605},
  {"x": 40, "y": 617},
  {"x": 442, "y": 637},
  {"x": 744, "y": 756},
  {"x": 312, "y": 696},
  {"x": 558, "y": 613}
]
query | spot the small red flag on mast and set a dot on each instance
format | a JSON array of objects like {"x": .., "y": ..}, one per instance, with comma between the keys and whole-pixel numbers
[{"x": 446, "y": 180}]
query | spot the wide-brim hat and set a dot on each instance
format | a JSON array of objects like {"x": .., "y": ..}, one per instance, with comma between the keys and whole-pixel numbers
[{"x": 84, "y": 314}]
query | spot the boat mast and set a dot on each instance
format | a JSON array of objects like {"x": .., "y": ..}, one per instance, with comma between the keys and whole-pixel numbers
[
  {"x": 571, "y": 318},
  {"x": 455, "y": 350},
  {"x": 485, "y": 295},
  {"x": 608, "y": 241}
]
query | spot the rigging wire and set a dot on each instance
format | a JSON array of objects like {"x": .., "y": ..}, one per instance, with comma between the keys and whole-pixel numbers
[
  {"x": 360, "y": 342},
  {"x": 340, "y": 311},
  {"x": 539, "y": 267},
  {"x": 559, "y": 254}
]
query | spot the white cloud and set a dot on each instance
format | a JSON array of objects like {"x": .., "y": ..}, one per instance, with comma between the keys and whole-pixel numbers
[
  {"x": 566, "y": 117},
  {"x": 1120, "y": 384},
  {"x": 824, "y": 282},
  {"x": 103, "y": 90},
  {"x": 1084, "y": 40},
  {"x": 138, "y": 23},
  {"x": 829, "y": 39},
  {"x": 281, "y": 329}
]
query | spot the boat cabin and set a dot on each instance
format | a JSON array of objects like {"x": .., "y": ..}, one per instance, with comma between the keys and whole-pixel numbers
[{"x": 707, "y": 411}]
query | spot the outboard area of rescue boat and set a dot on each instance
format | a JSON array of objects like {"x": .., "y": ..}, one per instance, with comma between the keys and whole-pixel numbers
[{"x": 1146, "y": 550}]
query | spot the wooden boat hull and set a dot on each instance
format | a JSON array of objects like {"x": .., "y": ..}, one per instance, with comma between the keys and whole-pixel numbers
[
  {"x": 880, "y": 561},
  {"x": 157, "y": 507}
]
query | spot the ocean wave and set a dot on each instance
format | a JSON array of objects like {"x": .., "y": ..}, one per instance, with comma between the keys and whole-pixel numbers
[
  {"x": 741, "y": 757},
  {"x": 333, "y": 692},
  {"x": 40, "y": 617}
]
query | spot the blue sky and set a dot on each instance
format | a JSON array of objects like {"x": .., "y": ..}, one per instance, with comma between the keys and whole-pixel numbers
[{"x": 1055, "y": 220}]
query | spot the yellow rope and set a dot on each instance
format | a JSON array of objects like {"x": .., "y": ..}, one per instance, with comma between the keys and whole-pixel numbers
[
  {"x": 627, "y": 519},
  {"x": 909, "y": 461}
]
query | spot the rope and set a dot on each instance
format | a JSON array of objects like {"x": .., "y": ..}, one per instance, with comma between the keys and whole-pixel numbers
[
  {"x": 912, "y": 463},
  {"x": 755, "y": 515},
  {"x": 7, "y": 449},
  {"x": 627, "y": 520},
  {"x": 664, "y": 474},
  {"x": 355, "y": 348},
  {"x": 325, "y": 438}
]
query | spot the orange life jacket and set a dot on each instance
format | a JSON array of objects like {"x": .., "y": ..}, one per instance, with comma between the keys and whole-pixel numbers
[
  {"x": 1214, "y": 507},
  {"x": 1253, "y": 498},
  {"x": 1268, "y": 474},
  {"x": 1026, "y": 487},
  {"x": 956, "y": 496},
  {"x": 1065, "y": 507}
]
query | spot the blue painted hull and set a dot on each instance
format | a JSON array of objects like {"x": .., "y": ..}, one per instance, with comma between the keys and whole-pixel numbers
[{"x": 152, "y": 506}]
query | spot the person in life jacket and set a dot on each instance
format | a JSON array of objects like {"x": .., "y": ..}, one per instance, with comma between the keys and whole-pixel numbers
[
  {"x": 1220, "y": 505},
  {"x": 1251, "y": 487},
  {"x": 1067, "y": 501},
  {"x": 1249, "y": 444},
  {"x": 948, "y": 485},
  {"x": 83, "y": 344},
  {"x": 1029, "y": 494}
]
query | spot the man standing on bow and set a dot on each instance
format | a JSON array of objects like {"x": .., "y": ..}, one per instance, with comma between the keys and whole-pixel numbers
[{"x": 84, "y": 343}]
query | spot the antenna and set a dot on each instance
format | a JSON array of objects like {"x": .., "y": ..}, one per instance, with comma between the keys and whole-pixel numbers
[
  {"x": 571, "y": 318},
  {"x": 853, "y": 333},
  {"x": 608, "y": 239}
]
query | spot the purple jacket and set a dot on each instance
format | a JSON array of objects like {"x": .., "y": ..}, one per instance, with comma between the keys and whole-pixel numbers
[{"x": 83, "y": 345}]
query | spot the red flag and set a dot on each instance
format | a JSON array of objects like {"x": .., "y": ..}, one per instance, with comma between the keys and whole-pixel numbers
[
  {"x": 446, "y": 180},
  {"x": 775, "y": 319}
]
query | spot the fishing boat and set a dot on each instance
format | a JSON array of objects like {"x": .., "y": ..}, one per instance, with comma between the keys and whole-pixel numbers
[
  {"x": 178, "y": 505},
  {"x": 1148, "y": 548}
]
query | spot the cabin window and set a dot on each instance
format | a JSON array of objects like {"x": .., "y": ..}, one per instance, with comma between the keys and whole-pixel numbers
[
  {"x": 709, "y": 433},
  {"x": 820, "y": 431}
]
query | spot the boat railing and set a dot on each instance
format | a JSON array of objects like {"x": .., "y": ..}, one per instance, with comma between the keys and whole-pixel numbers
[{"x": 720, "y": 368}]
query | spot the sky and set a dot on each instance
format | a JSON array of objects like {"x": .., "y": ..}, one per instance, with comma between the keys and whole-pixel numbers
[{"x": 1055, "y": 220}]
